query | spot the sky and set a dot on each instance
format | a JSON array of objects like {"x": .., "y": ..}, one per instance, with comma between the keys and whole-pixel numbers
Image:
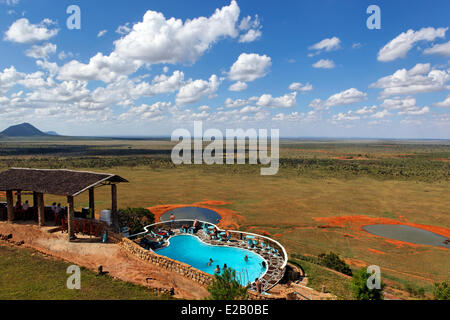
[{"x": 307, "y": 68}]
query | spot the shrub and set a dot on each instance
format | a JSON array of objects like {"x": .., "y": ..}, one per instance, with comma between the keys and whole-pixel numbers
[
  {"x": 225, "y": 287},
  {"x": 135, "y": 219},
  {"x": 333, "y": 261},
  {"x": 360, "y": 289},
  {"x": 442, "y": 291}
]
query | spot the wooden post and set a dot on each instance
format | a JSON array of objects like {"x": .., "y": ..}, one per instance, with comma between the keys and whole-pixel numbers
[
  {"x": 19, "y": 197},
  {"x": 91, "y": 203},
  {"x": 70, "y": 217},
  {"x": 35, "y": 205},
  {"x": 10, "y": 200},
  {"x": 41, "y": 209},
  {"x": 115, "y": 218}
]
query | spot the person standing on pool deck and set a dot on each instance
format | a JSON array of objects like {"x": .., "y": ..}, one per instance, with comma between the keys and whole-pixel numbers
[
  {"x": 258, "y": 285},
  {"x": 172, "y": 219},
  {"x": 225, "y": 266},
  {"x": 217, "y": 269}
]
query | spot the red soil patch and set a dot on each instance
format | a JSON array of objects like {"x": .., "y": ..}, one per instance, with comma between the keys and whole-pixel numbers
[
  {"x": 357, "y": 222},
  {"x": 349, "y": 235},
  {"x": 376, "y": 251},
  {"x": 229, "y": 218},
  {"x": 278, "y": 235}
]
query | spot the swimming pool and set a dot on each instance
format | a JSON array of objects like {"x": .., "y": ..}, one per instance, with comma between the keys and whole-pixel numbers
[
  {"x": 192, "y": 213},
  {"x": 191, "y": 250}
]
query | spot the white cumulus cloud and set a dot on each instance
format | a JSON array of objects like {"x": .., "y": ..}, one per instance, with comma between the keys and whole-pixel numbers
[
  {"x": 249, "y": 67},
  {"x": 404, "y": 42},
  {"x": 22, "y": 31}
]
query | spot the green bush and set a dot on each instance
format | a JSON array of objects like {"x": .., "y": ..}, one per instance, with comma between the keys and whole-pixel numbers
[
  {"x": 333, "y": 261},
  {"x": 226, "y": 287},
  {"x": 442, "y": 291},
  {"x": 135, "y": 219},
  {"x": 360, "y": 289}
]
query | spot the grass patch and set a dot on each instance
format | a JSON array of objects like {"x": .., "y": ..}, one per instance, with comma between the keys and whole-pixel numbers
[
  {"x": 29, "y": 275},
  {"x": 318, "y": 277}
]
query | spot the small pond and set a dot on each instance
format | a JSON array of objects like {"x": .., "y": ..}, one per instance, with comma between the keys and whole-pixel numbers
[
  {"x": 192, "y": 213},
  {"x": 407, "y": 234}
]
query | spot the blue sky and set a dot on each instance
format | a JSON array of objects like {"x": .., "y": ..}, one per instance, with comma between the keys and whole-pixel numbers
[{"x": 309, "y": 68}]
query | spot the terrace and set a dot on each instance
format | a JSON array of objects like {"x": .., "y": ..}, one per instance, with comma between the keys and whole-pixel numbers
[
  {"x": 68, "y": 183},
  {"x": 157, "y": 236}
]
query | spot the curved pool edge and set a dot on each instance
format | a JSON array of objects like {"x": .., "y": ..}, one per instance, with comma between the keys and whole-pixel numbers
[
  {"x": 283, "y": 252},
  {"x": 211, "y": 245}
]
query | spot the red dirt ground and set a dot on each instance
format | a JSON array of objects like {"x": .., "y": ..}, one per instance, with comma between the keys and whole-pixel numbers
[
  {"x": 358, "y": 222},
  {"x": 229, "y": 218},
  {"x": 112, "y": 257},
  {"x": 376, "y": 251}
]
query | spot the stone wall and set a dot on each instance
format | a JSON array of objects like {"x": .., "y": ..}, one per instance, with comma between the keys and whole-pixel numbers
[{"x": 186, "y": 270}]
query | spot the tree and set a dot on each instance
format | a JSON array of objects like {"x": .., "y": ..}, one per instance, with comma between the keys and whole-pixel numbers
[
  {"x": 224, "y": 286},
  {"x": 361, "y": 290},
  {"x": 135, "y": 219},
  {"x": 333, "y": 261},
  {"x": 442, "y": 291}
]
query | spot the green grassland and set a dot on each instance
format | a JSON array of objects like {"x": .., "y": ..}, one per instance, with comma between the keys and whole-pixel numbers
[
  {"x": 27, "y": 275},
  {"x": 316, "y": 179}
]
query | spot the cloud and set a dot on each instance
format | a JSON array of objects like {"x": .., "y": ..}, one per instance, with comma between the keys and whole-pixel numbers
[
  {"x": 22, "y": 31},
  {"x": 101, "y": 33},
  {"x": 41, "y": 52},
  {"x": 366, "y": 110},
  {"x": 403, "y": 43},
  {"x": 250, "y": 36},
  {"x": 381, "y": 114},
  {"x": 238, "y": 86},
  {"x": 444, "y": 104},
  {"x": 249, "y": 67},
  {"x": 194, "y": 91},
  {"x": 123, "y": 29},
  {"x": 442, "y": 49},
  {"x": 347, "y": 97},
  {"x": 154, "y": 112},
  {"x": 330, "y": 44},
  {"x": 296, "y": 117},
  {"x": 100, "y": 67},
  {"x": 324, "y": 64},
  {"x": 230, "y": 103},
  {"x": 287, "y": 101},
  {"x": 252, "y": 29},
  {"x": 418, "y": 79},
  {"x": 348, "y": 116},
  {"x": 159, "y": 40},
  {"x": 405, "y": 106},
  {"x": 303, "y": 88}
]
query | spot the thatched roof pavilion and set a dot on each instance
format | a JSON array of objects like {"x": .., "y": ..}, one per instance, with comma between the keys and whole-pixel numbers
[{"x": 67, "y": 183}]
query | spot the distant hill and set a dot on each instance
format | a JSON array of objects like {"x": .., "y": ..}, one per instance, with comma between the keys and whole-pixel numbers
[
  {"x": 52, "y": 133},
  {"x": 23, "y": 130}
]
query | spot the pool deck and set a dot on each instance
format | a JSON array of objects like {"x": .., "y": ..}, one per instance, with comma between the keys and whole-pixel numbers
[{"x": 274, "y": 272}]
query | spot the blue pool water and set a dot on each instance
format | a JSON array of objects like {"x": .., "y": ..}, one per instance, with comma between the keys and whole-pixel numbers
[
  {"x": 193, "y": 251},
  {"x": 192, "y": 213}
]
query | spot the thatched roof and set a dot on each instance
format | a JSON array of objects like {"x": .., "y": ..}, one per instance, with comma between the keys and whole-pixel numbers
[{"x": 57, "y": 182}]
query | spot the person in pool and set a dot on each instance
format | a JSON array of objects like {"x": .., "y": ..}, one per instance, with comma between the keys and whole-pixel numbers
[
  {"x": 263, "y": 264},
  {"x": 210, "y": 262},
  {"x": 246, "y": 258},
  {"x": 217, "y": 269},
  {"x": 225, "y": 266}
]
